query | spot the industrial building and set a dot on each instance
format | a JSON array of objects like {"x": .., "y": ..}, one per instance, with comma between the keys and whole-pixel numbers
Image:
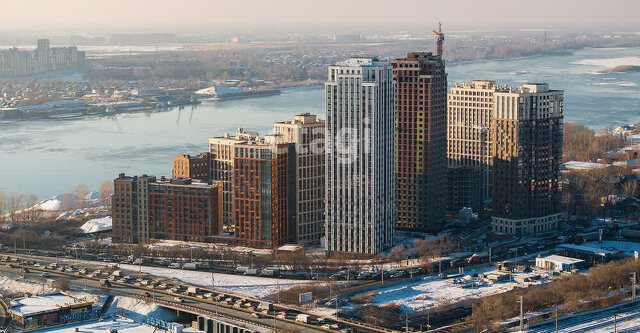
[
  {"x": 420, "y": 141},
  {"x": 360, "y": 158}
]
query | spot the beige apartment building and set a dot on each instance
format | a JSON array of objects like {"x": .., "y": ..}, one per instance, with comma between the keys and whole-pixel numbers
[
  {"x": 469, "y": 144},
  {"x": 306, "y": 131}
]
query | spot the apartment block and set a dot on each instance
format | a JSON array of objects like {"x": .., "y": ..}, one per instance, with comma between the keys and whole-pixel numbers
[
  {"x": 469, "y": 144},
  {"x": 263, "y": 192},
  {"x": 144, "y": 208},
  {"x": 306, "y": 131},
  {"x": 222, "y": 154},
  {"x": 420, "y": 141},
  {"x": 527, "y": 156},
  {"x": 360, "y": 157}
]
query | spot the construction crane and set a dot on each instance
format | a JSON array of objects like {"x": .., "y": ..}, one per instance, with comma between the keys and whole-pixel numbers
[{"x": 440, "y": 39}]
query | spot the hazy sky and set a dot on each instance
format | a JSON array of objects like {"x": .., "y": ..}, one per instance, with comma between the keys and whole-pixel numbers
[{"x": 184, "y": 15}]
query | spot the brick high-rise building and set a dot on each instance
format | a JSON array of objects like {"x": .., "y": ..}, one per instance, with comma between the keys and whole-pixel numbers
[
  {"x": 359, "y": 138},
  {"x": 420, "y": 141},
  {"x": 469, "y": 144},
  {"x": 193, "y": 167},
  {"x": 306, "y": 131},
  {"x": 222, "y": 154},
  {"x": 145, "y": 208},
  {"x": 263, "y": 188},
  {"x": 527, "y": 155}
]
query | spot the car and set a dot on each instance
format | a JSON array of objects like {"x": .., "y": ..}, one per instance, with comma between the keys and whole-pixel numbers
[
  {"x": 145, "y": 294},
  {"x": 46, "y": 275},
  {"x": 178, "y": 300},
  {"x": 255, "y": 315}
]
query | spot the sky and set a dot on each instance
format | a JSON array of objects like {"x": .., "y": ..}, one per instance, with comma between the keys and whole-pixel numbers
[{"x": 136, "y": 16}]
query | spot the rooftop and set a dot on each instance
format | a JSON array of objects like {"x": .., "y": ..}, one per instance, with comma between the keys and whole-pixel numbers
[
  {"x": 562, "y": 259},
  {"x": 122, "y": 325},
  {"x": 43, "y": 303}
]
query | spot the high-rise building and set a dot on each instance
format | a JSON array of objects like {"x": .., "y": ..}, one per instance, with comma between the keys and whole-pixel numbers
[
  {"x": 306, "y": 131},
  {"x": 145, "y": 208},
  {"x": 359, "y": 180},
  {"x": 222, "y": 152},
  {"x": 420, "y": 141},
  {"x": 16, "y": 63},
  {"x": 469, "y": 144},
  {"x": 194, "y": 167},
  {"x": 527, "y": 155},
  {"x": 263, "y": 188}
]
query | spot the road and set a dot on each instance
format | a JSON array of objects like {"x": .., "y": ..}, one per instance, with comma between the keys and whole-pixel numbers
[{"x": 245, "y": 314}]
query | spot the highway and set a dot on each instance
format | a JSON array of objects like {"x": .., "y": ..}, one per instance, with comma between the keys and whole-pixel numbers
[{"x": 236, "y": 309}]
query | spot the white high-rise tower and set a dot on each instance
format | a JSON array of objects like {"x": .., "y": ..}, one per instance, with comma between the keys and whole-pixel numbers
[{"x": 359, "y": 177}]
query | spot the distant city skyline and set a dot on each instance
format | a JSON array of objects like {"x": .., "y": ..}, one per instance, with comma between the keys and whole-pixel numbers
[{"x": 203, "y": 16}]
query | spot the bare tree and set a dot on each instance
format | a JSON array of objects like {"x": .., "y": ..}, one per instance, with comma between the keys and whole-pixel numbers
[
  {"x": 630, "y": 187},
  {"x": 106, "y": 190},
  {"x": 16, "y": 205},
  {"x": 80, "y": 192},
  {"x": 32, "y": 213},
  {"x": 3, "y": 206}
]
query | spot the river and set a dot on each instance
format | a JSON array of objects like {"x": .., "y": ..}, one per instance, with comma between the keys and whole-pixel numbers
[{"x": 47, "y": 157}]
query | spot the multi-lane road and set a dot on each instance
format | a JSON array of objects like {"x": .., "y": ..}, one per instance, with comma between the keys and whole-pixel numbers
[{"x": 237, "y": 309}]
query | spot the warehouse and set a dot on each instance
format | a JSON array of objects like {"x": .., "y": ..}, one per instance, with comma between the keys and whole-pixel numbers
[
  {"x": 49, "y": 309},
  {"x": 559, "y": 263}
]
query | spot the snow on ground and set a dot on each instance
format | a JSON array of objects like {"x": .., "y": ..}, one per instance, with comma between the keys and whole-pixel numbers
[
  {"x": 97, "y": 225},
  {"x": 616, "y": 246},
  {"x": 9, "y": 286},
  {"x": 434, "y": 291},
  {"x": 255, "y": 286},
  {"x": 138, "y": 310},
  {"x": 57, "y": 203}
]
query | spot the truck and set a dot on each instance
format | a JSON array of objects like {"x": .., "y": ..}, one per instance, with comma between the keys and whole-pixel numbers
[
  {"x": 302, "y": 318},
  {"x": 265, "y": 306},
  {"x": 251, "y": 271},
  {"x": 193, "y": 291},
  {"x": 176, "y": 265},
  {"x": 117, "y": 274},
  {"x": 192, "y": 266}
]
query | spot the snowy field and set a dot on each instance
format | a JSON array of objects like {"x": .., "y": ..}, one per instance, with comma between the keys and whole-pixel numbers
[
  {"x": 616, "y": 246},
  {"x": 433, "y": 291},
  {"x": 248, "y": 285},
  {"x": 138, "y": 310},
  {"x": 10, "y": 286}
]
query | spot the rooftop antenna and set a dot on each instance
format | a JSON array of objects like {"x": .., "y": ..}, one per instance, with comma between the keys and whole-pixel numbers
[{"x": 440, "y": 39}]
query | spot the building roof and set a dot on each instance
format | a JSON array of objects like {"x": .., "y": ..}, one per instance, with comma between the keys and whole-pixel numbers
[
  {"x": 29, "y": 306},
  {"x": 122, "y": 325},
  {"x": 579, "y": 165},
  {"x": 562, "y": 259},
  {"x": 585, "y": 249}
]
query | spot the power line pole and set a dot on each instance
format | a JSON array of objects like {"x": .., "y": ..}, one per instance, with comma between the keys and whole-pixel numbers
[
  {"x": 633, "y": 287},
  {"x": 521, "y": 312},
  {"x": 406, "y": 323},
  {"x": 615, "y": 323},
  {"x": 556, "y": 319}
]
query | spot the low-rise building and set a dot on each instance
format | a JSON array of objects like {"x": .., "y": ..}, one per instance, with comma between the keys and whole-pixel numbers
[
  {"x": 559, "y": 263},
  {"x": 49, "y": 309}
]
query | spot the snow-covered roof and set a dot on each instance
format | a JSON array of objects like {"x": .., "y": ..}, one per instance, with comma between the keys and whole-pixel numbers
[
  {"x": 579, "y": 165},
  {"x": 585, "y": 249},
  {"x": 562, "y": 259},
  {"x": 119, "y": 324},
  {"x": 29, "y": 306}
]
